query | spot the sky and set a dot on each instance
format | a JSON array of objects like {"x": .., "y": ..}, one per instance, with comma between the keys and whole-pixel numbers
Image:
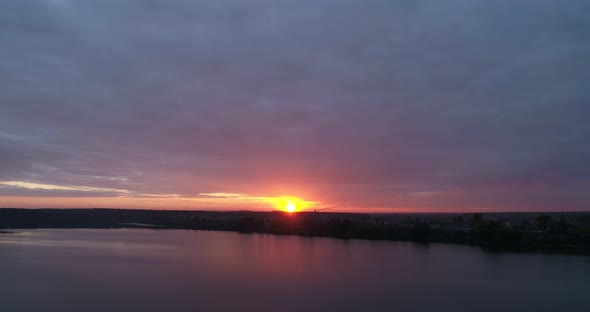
[{"x": 342, "y": 105}]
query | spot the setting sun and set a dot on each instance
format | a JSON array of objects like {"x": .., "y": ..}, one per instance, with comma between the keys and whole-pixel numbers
[
  {"x": 291, "y": 204},
  {"x": 290, "y": 207}
]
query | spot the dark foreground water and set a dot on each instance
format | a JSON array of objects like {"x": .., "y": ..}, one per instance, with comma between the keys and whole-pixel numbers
[{"x": 150, "y": 270}]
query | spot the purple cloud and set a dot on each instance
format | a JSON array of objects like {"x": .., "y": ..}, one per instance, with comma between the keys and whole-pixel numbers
[{"x": 420, "y": 105}]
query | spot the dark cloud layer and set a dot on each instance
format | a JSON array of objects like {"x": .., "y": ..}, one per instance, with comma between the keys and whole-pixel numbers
[{"x": 425, "y": 105}]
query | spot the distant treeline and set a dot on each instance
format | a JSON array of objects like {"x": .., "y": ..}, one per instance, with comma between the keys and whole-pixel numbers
[{"x": 516, "y": 232}]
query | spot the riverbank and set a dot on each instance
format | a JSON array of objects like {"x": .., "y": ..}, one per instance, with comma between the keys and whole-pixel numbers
[{"x": 530, "y": 232}]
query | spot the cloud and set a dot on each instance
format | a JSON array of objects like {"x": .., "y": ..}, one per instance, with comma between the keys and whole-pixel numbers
[
  {"x": 23, "y": 188},
  {"x": 352, "y": 103},
  {"x": 222, "y": 195}
]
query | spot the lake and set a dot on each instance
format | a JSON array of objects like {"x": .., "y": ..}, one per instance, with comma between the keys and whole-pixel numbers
[{"x": 181, "y": 270}]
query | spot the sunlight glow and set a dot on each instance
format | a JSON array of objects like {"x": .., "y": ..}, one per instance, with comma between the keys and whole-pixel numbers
[
  {"x": 283, "y": 203},
  {"x": 291, "y": 204},
  {"x": 67, "y": 196},
  {"x": 290, "y": 207}
]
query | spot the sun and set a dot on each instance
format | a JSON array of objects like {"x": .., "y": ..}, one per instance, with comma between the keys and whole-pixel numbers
[{"x": 290, "y": 206}]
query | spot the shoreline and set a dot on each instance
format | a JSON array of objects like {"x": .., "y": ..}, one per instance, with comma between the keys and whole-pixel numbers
[
  {"x": 549, "y": 250},
  {"x": 530, "y": 233}
]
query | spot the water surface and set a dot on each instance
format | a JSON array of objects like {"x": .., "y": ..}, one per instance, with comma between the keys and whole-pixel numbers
[{"x": 169, "y": 270}]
